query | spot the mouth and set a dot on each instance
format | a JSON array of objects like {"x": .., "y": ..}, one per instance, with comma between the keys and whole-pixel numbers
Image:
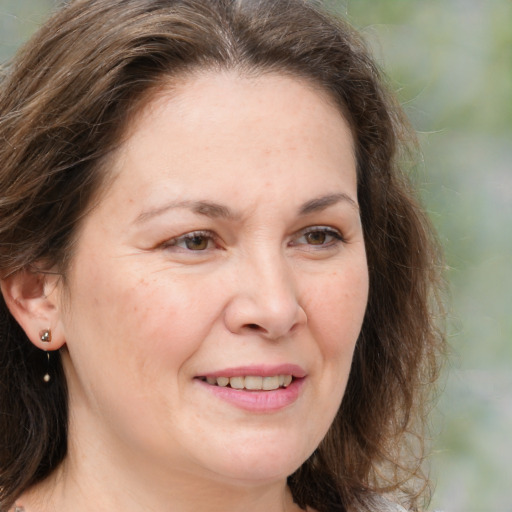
[
  {"x": 251, "y": 382},
  {"x": 256, "y": 388}
]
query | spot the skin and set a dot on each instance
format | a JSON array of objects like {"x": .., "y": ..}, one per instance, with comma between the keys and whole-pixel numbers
[{"x": 144, "y": 311}]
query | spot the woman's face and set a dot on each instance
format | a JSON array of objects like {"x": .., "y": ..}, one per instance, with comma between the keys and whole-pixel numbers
[{"x": 228, "y": 247}]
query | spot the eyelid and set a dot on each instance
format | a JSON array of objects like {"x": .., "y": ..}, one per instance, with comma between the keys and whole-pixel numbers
[
  {"x": 336, "y": 234},
  {"x": 173, "y": 242},
  {"x": 328, "y": 230}
]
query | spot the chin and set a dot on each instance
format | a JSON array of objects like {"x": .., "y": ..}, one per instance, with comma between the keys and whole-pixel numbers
[
  {"x": 263, "y": 462},
  {"x": 261, "y": 474}
]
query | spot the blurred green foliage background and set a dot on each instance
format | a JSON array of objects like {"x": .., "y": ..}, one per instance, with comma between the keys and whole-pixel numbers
[{"x": 450, "y": 62}]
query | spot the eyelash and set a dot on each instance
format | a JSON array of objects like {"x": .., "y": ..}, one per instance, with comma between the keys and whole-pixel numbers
[
  {"x": 324, "y": 230},
  {"x": 189, "y": 237},
  {"x": 210, "y": 238}
]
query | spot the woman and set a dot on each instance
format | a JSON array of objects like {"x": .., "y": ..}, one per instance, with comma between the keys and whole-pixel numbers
[{"x": 217, "y": 285}]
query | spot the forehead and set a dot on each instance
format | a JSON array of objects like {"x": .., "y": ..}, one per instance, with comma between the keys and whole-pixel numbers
[
  {"x": 219, "y": 104},
  {"x": 211, "y": 126}
]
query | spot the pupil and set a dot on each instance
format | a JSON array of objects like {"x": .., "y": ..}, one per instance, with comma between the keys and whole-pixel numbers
[
  {"x": 316, "y": 238},
  {"x": 197, "y": 243}
]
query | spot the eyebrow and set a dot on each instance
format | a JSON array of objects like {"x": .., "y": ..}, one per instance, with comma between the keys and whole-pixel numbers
[
  {"x": 216, "y": 210},
  {"x": 324, "y": 202},
  {"x": 206, "y": 208}
]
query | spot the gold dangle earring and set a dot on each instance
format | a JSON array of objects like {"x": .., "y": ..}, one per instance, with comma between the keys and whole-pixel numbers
[{"x": 46, "y": 337}]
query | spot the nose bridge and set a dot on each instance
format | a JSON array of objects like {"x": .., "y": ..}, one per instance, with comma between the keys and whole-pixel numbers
[
  {"x": 266, "y": 296},
  {"x": 272, "y": 284}
]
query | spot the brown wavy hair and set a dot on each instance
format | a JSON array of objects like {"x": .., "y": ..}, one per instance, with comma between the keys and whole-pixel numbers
[{"x": 65, "y": 103}]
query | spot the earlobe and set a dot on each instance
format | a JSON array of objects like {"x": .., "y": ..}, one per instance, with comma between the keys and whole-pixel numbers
[{"x": 31, "y": 299}]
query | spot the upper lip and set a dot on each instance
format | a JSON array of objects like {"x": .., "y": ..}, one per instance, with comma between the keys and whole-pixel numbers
[{"x": 259, "y": 370}]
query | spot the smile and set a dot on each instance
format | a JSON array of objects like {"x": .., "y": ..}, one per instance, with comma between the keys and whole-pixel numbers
[{"x": 251, "y": 382}]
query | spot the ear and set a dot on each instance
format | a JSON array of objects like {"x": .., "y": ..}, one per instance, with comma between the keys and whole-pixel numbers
[{"x": 33, "y": 300}]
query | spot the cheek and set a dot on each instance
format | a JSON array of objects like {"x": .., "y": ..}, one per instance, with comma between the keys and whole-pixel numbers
[
  {"x": 145, "y": 323},
  {"x": 172, "y": 321},
  {"x": 336, "y": 311}
]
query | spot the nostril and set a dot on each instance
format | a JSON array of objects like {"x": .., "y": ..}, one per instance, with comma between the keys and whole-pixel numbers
[{"x": 253, "y": 327}]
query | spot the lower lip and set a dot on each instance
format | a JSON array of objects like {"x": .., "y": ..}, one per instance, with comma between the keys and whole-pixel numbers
[{"x": 258, "y": 401}]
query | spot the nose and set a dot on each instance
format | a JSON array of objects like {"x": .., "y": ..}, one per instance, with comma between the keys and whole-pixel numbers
[{"x": 264, "y": 300}]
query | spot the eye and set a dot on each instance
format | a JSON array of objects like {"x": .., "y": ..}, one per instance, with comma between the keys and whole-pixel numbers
[
  {"x": 319, "y": 236},
  {"x": 195, "y": 241}
]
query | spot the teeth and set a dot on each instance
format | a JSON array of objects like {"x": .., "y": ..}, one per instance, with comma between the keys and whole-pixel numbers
[
  {"x": 222, "y": 381},
  {"x": 270, "y": 383},
  {"x": 252, "y": 382},
  {"x": 237, "y": 382}
]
